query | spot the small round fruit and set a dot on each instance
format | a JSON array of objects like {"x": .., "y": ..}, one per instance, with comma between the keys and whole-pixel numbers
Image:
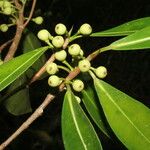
[
  {"x": 60, "y": 29},
  {"x": 1, "y": 3},
  {"x": 61, "y": 55},
  {"x": 43, "y": 35},
  {"x": 54, "y": 81},
  {"x": 58, "y": 41},
  {"x": 101, "y": 72},
  {"x": 4, "y": 27},
  {"x": 7, "y": 11},
  {"x": 84, "y": 65},
  {"x": 78, "y": 99},
  {"x": 78, "y": 85},
  {"x": 6, "y": 4},
  {"x": 38, "y": 20},
  {"x": 74, "y": 49},
  {"x": 81, "y": 52},
  {"x": 85, "y": 29},
  {"x": 51, "y": 68}
]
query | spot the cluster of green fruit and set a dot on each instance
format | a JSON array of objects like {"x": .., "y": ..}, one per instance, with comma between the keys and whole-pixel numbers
[
  {"x": 6, "y": 8},
  {"x": 74, "y": 50}
]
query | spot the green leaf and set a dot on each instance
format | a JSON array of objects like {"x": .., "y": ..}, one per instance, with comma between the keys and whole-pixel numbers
[
  {"x": 18, "y": 103},
  {"x": 31, "y": 42},
  {"x": 138, "y": 40},
  {"x": 12, "y": 69},
  {"x": 77, "y": 131},
  {"x": 89, "y": 100},
  {"x": 125, "y": 29},
  {"x": 128, "y": 118}
]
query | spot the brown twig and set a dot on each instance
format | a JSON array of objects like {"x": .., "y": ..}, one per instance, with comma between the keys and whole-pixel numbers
[
  {"x": 5, "y": 44},
  {"x": 31, "y": 13},
  {"x": 42, "y": 70},
  {"x": 76, "y": 71},
  {"x": 51, "y": 59},
  {"x": 19, "y": 29},
  {"x": 38, "y": 112},
  {"x": 18, "y": 34}
]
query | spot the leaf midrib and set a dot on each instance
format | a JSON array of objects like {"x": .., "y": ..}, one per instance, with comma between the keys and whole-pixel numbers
[
  {"x": 19, "y": 67},
  {"x": 109, "y": 96},
  {"x": 116, "y": 45},
  {"x": 114, "y": 32},
  {"x": 75, "y": 122}
]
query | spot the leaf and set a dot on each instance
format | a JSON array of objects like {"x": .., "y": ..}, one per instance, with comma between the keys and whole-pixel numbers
[
  {"x": 12, "y": 69},
  {"x": 18, "y": 103},
  {"x": 89, "y": 100},
  {"x": 31, "y": 42},
  {"x": 138, "y": 40},
  {"x": 77, "y": 131},
  {"x": 125, "y": 29},
  {"x": 128, "y": 118}
]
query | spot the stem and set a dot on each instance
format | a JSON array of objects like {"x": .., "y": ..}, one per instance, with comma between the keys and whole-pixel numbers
[
  {"x": 38, "y": 112},
  {"x": 64, "y": 68},
  {"x": 42, "y": 70},
  {"x": 70, "y": 76},
  {"x": 97, "y": 52},
  {"x": 31, "y": 13},
  {"x": 5, "y": 44},
  {"x": 76, "y": 71},
  {"x": 92, "y": 74},
  {"x": 18, "y": 34},
  {"x": 20, "y": 27},
  {"x": 67, "y": 64},
  {"x": 74, "y": 37}
]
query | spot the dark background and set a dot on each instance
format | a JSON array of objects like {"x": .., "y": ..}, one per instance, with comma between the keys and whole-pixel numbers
[{"x": 127, "y": 71}]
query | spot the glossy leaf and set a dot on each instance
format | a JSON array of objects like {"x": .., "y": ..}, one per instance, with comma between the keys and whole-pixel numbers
[
  {"x": 77, "y": 131},
  {"x": 138, "y": 40},
  {"x": 18, "y": 103},
  {"x": 12, "y": 69},
  {"x": 125, "y": 29},
  {"x": 89, "y": 100},
  {"x": 31, "y": 42},
  {"x": 128, "y": 118}
]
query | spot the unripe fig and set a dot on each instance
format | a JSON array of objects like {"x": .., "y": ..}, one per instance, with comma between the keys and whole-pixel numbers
[
  {"x": 85, "y": 29},
  {"x": 4, "y": 27},
  {"x": 78, "y": 99},
  {"x": 74, "y": 49},
  {"x": 60, "y": 29},
  {"x": 43, "y": 35},
  {"x": 101, "y": 72},
  {"x": 54, "y": 81},
  {"x": 58, "y": 41},
  {"x": 81, "y": 52},
  {"x": 51, "y": 68},
  {"x": 78, "y": 85},
  {"x": 61, "y": 55},
  {"x": 6, "y": 4},
  {"x": 84, "y": 65},
  {"x": 7, "y": 11},
  {"x": 38, "y": 20}
]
